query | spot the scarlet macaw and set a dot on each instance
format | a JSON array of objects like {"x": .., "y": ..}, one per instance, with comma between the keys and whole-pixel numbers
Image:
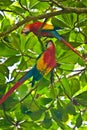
[
  {"x": 45, "y": 63},
  {"x": 47, "y": 30}
]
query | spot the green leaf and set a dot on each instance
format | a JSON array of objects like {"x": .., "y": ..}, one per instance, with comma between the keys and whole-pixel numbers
[
  {"x": 4, "y": 124},
  {"x": 34, "y": 107},
  {"x": 54, "y": 92},
  {"x": 24, "y": 2},
  {"x": 12, "y": 60},
  {"x": 82, "y": 23},
  {"x": 16, "y": 9},
  {"x": 23, "y": 64},
  {"x": 44, "y": 101},
  {"x": 43, "y": 83},
  {"x": 33, "y": 3},
  {"x": 79, "y": 121},
  {"x": 59, "y": 114},
  {"x": 16, "y": 41},
  {"x": 69, "y": 57},
  {"x": 24, "y": 109},
  {"x": 82, "y": 98},
  {"x": 84, "y": 2},
  {"x": 35, "y": 115},
  {"x": 4, "y": 70},
  {"x": 10, "y": 102},
  {"x": 56, "y": 115},
  {"x": 47, "y": 122},
  {"x": 66, "y": 86},
  {"x": 70, "y": 109},
  {"x": 4, "y": 3},
  {"x": 83, "y": 78},
  {"x": 74, "y": 85},
  {"x": 76, "y": 38},
  {"x": 70, "y": 19},
  {"x": 5, "y": 51},
  {"x": 41, "y": 6},
  {"x": 1, "y": 17},
  {"x": 59, "y": 22},
  {"x": 32, "y": 125},
  {"x": 2, "y": 79},
  {"x": 67, "y": 67},
  {"x": 22, "y": 91},
  {"x": 5, "y": 24}
]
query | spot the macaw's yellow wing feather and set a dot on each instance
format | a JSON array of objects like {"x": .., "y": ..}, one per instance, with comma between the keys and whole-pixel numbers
[
  {"x": 41, "y": 66},
  {"x": 47, "y": 61},
  {"x": 48, "y": 27}
]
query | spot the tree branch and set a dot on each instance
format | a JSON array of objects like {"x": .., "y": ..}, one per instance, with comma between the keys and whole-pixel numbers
[
  {"x": 12, "y": 11},
  {"x": 47, "y": 15}
]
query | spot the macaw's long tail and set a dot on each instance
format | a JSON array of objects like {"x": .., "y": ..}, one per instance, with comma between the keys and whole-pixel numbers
[
  {"x": 71, "y": 47},
  {"x": 66, "y": 43},
  {"x": 22, "y": 80}
]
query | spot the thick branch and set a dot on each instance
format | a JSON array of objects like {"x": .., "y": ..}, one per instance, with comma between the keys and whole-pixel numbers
[{"x": 48, "y": 15}]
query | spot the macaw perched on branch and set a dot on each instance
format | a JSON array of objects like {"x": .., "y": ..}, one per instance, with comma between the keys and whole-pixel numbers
[
  {"x": 47, "y": 30},
  {"x": 45, "y": 63}
]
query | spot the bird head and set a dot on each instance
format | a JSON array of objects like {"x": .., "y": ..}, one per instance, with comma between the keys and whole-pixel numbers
[
  {"x": 32, "y": 27},
  {"x": 49, "y": 44},
  {"x": 26, "y": 29}
]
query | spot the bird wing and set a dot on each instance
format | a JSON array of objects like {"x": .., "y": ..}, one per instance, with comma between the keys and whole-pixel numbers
[
  {"x": 45, "y": 63},
  {"x": 50, "y": 27}
]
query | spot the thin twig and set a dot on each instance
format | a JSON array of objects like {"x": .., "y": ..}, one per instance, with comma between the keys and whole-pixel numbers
[
  {"x": 58, "y": 4},
  {"x": 42, "y": 47},
  {"x": 23, "y": 6},
  {"x": 6, "y": 116},
  {"x": 39, "y": 32},
  {"x": 37, "y": 85},
  {"x": 63, "y": 87}
]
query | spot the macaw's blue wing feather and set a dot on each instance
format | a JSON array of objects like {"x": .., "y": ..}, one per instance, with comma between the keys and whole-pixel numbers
[
  {"x": 32, "y": 73},
  {"x": 27, "y": 75},
  {"x": 36, "y": 75},
  {"x": 50, "y": 33}
]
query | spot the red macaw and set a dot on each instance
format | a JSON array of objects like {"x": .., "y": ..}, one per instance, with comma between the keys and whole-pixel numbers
[
  {"x": 47, "y": 30},
  {"x": 45, "y": 63}
]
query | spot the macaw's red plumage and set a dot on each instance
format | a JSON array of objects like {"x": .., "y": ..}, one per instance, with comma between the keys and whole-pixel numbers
[
  {"x": 45, "y": 63},
  {"x": 47, "y": 30}
]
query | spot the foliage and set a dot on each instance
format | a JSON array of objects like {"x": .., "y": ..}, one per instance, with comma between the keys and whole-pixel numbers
[{"x": 62, "y": 103}]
